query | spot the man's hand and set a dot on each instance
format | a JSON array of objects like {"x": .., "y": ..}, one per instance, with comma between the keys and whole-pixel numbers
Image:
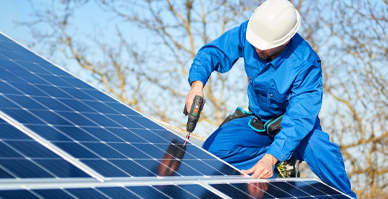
[
  {"x": 263, "y": 168},
  {"x": 196, "y": 89}
]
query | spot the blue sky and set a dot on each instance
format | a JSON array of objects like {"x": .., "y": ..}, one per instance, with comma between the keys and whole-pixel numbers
[{"x": 10, "y": 12}]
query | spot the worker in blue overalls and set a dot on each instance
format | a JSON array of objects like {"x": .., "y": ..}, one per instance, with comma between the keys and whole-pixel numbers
[{"x": 285, "y": 81}]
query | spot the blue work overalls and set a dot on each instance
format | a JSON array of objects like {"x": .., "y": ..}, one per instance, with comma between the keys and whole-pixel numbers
[{"x": 290, "y": 85}]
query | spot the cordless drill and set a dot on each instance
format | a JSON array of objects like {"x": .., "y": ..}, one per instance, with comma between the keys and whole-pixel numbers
[{"x": 195, "y": 110}]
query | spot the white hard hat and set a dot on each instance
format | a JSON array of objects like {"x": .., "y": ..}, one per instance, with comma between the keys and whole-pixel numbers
[{"x": 272, "y": 24}]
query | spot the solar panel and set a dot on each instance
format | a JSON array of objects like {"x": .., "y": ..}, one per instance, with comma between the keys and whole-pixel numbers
[
  {"x": 23, "y": 157},
  {"x": 60, "y": 137}
]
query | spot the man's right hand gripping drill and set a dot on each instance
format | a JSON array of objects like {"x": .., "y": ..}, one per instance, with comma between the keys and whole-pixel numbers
[{"x": 196, "y": 89}]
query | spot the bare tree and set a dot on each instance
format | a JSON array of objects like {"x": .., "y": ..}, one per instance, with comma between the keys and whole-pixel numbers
[
  {"x": 350, "y": 37},
  {"x": 154, "y": 80},
  {"x": 356, "y": 86}
]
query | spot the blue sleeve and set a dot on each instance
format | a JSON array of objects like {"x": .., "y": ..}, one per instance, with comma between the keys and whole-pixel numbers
[
  {"x": 301, "y": 113},
  {"x": 218, "y": 55}
]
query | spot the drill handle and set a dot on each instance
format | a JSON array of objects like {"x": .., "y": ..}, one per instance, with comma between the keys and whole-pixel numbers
[
  {"x": 185, "y": 110},
  {"x": 196, "y": 107}
]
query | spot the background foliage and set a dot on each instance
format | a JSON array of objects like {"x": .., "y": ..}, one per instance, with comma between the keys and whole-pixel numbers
[{"x": 144, "y": 56}]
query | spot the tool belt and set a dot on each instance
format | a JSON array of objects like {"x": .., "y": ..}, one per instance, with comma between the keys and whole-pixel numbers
[{"x": 271, "y": 127}]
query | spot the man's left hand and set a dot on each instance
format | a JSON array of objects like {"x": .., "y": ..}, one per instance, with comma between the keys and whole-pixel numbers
[{"x": 263, "y": 168}]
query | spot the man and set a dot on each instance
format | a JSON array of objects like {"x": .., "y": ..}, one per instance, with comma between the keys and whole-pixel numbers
[{"x": 285, "y": 79}]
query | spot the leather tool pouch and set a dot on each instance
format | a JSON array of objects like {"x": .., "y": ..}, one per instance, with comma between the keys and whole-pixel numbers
[
  {"x": 273, "y": 126},
  {"x": 239, "y": 112}
]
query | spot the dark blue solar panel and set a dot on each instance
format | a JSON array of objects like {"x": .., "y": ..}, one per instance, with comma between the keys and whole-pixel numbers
[
  {"x": 30, "y": 78},
  {"x": 49, "y": 133},
  {"x": 122, "y": 109},
  {"x": 23, "y": 116},
  {"x": 133, "y": 168},
  {"x": 125, "y": 121},
  {"x": 9, "y": 132},
  {"x": 127, "y": 135},
  {"x": 107, "y": 136},
  {"x": 77, "y": 105},
  {"x": 25, "y": 102},
  {"x": 28, "y": 89},
  {"x": 53, "y": 193},
  {"x": 158, "y": 191},
  {"x": 105, "y": 168},
  {"x": 22, "y": 194},
  {"x": 264, "y": 190},
  {"x": 7, "y": 89},
  {"x": 76, "y": 133},
  {"x": 147, "y": 192},
  {"x": 54, "y": 91},
  {"x": 103, "y": 134},
  {"x": 118, "y": 192},
  {"x": 88, "y": 124},
  {"x": 52, "y": 104},
  {"x": 78, "y": 94},
  {"x": 23, "y": 157},
  {"x": 86, "y": 193},
  {"x": 76, "y": 150},
  {"x": 5, "y": 103},
  {"x": 278, "y": 189},
  {"x": 23, "y": 168}
]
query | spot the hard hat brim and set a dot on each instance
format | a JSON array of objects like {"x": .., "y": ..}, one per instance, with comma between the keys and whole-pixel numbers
[{"x": 261, "y": 44}]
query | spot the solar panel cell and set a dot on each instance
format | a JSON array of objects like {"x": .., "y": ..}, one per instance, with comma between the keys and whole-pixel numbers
[
  {"x": 53, "y": 193},
  {"x": 28, "y": 89},
  {"x": 126, "y": 135},
  {"x": 129, "y": 150},
  {"x": 77, "y": 105},
  {"x": 22, "y": 194},
  {"x": 54, "y": 91},
  {"x": 29, "y": 77},
  {"x": 4, "y": 174},
  {"x": 25, "y": 102},
  {"x": 7, "y": 152},
  {"x": 133, "y": 168},
  {"x": 50, "y": 117},
  {"x": 102, "y": 134},
  {"x": 147, "y": 192},
  {"x": 8, "y": 77},
  {"x": 76, "y": 134},
  {"x": 199, "y": 191},
  {"x": 23, "y": 168},
  {"x": 77, "y": 93},
  {"x": 78, "y": 119},
  {"x": 49, "y": 133},
  {"x": 23, "y": 116},
  {"x": 124, "y": 121},
  {"x": 86, "y": 193},
  {"x": 31, "y": 149},
  {"x": 5, "y": 103},
  {"x": 52, "y": 104},
  {"x": 117, "y": 192},
  {"x": 104, "y": 150},
  {"x": 61, "y": 168},
  {"x": 122, "y": 109},
  {"x": 105, "y": 168},
  {"x": 76, "y": 150},
  {"x": 9, "y": 132}
]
